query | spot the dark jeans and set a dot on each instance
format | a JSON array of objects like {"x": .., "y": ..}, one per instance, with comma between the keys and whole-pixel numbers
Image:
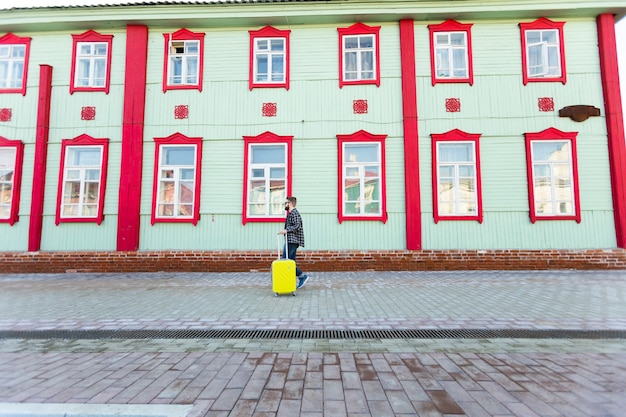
[{"x": 293, "y": 248}]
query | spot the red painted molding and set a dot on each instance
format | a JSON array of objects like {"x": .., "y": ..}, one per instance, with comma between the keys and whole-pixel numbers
[
  {"x": 91, "y": 36},
  {"x": 14, "y": 210},
  {"x": 411, "y": 148},
  {"x": 269, "y": 32},
  {"x": 614, "y": 121},
  {"x": 129, "y": 202},
  {"x": 542, "y": 24},
  {"x": 360, "y": 29},
  {"x": 11, "y": 39},
  {"x": 41, "y": 155},
  {"x": 451, "y": 26}
]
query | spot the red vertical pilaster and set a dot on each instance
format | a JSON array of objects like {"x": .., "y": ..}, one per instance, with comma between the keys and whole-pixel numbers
[
  {"x": 411, "y": 149},
  {"x": 614, "y": 121},
  {"x": 41, "y": 156},
  {"x": 132, "y": 138}
]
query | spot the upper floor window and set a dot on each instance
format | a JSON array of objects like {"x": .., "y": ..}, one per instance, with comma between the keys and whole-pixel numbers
[
  {"x": 456, "y": 176},
  {"x": 451, "y": 53},
  {"x": 14, "y": 52},
  {"x": 82, "y": 180},
  {"x": 183, "y": 61},
  {"x": 269, "y": 58},
  {"x": 543, "y": 51},
  {"x": 267, "y": 177},
  {"x": 552, "y": 175},
  {"x": 11, "y": 158},
  {"x": 362, "y": 191},
  {"x": 91, "y": 62},
  {"x": 359, "y": 55},
  {"x": 176, "y": 193}
]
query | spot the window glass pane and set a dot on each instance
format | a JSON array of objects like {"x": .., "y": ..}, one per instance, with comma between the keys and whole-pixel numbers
[
  {"x": 261, "y": 67},
  {"x": 187, "y": 174},
  {"x": 441, "y": 39},
  {"x": 466, "y": 170},
  {"x": 367, "y": 60},
  {"x": 351, "y": 42},
  {"x": 192, "y": 47},
  {"x": 258, "y": 173},
  {"x": 91, "y": 192},
  {"x": 84, "y": 48},
  {"x": 179, "y": 155},
  {"x": 277, "y": 68},
  {"x": 262, "y": 44},
  {"x": 92, "y": 174},
  {"x": 455, "y": 152},
  {"x": 458, "y": 39},
  {"x": 550, "y": 151},
  {"x": 443, "y": 63},
  {"x": 268, "y": 154},
  {"x": 100, "y": 49},
  {"x": 446, "y": 171},
  {"x": 277, "y": 173},
  {"x": 458, "y": 58},
  {"x": 533, "y": 36},
  {"x": 278, "y": 44},
  {"x": 86, "y": 156},
  {"x": 361, "y": 152},
  {"x": 550, "y": 36}
]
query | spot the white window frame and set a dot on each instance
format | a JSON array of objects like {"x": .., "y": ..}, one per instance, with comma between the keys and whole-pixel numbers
[
  {"x": 362, "y": 178},
  {"x": 553, "y": 178},
  {"x": 176, "y": 180},
  {"x": 271, "y": 54},
  {"x": 545, "y": 47},
  {"x": 179, "y": 50},
  {"x": 12, "y": 66},
  {"x": 7, "y": 187},
  {"x": 457, "y": 200},
  {"x": 83, "y": 181},
  {"x": 449, "y": 50},
  {"x": 91, "y": 59},
  {"x": 359, "y": 51},
  {"x": 273, "y": 205}
]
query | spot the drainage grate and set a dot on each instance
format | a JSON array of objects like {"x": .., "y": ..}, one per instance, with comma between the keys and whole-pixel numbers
[{"x": 316, "y": 334}]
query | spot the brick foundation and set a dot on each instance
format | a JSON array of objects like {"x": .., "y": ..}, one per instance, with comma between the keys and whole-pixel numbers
[{"x": 243, "y": 261}]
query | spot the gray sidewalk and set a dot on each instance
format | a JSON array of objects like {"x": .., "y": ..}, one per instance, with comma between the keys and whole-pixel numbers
[{"x": 493, "y": 376}]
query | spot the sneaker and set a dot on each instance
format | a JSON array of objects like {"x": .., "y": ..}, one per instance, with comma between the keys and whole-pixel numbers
[{"x": 302, "y": 281}]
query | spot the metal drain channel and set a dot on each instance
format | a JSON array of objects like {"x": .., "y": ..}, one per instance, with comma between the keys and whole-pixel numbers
[{"x": 316, "y": 334}]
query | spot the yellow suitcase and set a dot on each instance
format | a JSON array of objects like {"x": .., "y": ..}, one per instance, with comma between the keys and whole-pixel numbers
[{"x": 283, "y": 274}]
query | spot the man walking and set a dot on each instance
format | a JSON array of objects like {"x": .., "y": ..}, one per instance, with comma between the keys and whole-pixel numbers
[{"x": 295, "y": 236}]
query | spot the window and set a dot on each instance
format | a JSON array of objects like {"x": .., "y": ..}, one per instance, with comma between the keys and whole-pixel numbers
[
  {"x": 269, "y": 58},
  {"x": 11, "y": 158},
  {"x": 267, "y": 177},
  {"x": 451, "y": 53},
  {"x": 14, "y": 52},
  {"x": 176, "y": 193},
  {"x": 362, "y": 193},
  {"x": 82, "y": 180},
  {"x": 91, "y": 62},
  {"x": 457, "y": 186},
  {"x": 359, "y": 55},
  {"x": 552, "y": 175},
  {"x": 543, "y": 53},
  {"x": 184, "y": 60}
]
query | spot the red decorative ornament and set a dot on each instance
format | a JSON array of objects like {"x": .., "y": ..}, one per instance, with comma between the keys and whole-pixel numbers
[
  {"x": 181, "y": 112},
  {"x": 88, "y": 113},
  {"x": 269, "y": 109},
  {"x": 546, "y": 104},
  {"x": 453, "y": 105},
  {"x": 5, "y": 115},
  {"x": 359, "y": 106}
]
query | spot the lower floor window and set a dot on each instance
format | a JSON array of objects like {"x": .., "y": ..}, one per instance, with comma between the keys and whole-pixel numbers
[{"x": 177, "y": 179}]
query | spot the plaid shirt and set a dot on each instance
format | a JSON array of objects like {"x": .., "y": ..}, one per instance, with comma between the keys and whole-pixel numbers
[{"x": 293, "y": 226}]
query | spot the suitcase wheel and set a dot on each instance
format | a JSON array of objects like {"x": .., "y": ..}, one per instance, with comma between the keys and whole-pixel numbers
[
  {"x": 275, "y": 294},
  {"x": 293, "y": 294}
]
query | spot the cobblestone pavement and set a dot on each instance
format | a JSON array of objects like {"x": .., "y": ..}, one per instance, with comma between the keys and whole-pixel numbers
[{"x": 314, "y": 377}]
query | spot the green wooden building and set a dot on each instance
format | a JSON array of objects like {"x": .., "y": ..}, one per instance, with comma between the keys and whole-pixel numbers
[{"x": 414, "y": 134}]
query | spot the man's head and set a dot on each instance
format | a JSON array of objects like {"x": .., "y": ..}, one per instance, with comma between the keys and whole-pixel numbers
[{"x": 290, "y": 202}]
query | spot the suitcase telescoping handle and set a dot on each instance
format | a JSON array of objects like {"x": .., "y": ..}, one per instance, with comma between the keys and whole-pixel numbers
[{"x": 286, "y": 246}]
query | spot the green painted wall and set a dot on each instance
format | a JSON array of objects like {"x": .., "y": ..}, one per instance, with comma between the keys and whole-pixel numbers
[{"x": 314, "y": 110}]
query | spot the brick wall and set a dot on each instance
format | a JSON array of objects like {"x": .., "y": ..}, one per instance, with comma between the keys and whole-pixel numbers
[{"x": 229, "y": 261}]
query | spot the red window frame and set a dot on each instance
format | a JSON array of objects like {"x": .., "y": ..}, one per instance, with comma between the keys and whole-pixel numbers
[
  {"x": 456, "y": 135},
  {"x": 183, "y": 35},
  {"x": 17, "y": 178},
  {"x": 264, "y": 138},
  {"x": 11, "y": 39},
  {"x": 360, "y": 29},
  {"x": 83, "y": 140},
  {"x": 91, "y": 36},
  {"x": 269, "y": 32},
  {"x": 451, "y": 26},
  {"x": 542, "y": 24},
  {"x": 177, "y": 139},
  {"x": 362, "y": 137},
  {"x": 552, "y": 134}
]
